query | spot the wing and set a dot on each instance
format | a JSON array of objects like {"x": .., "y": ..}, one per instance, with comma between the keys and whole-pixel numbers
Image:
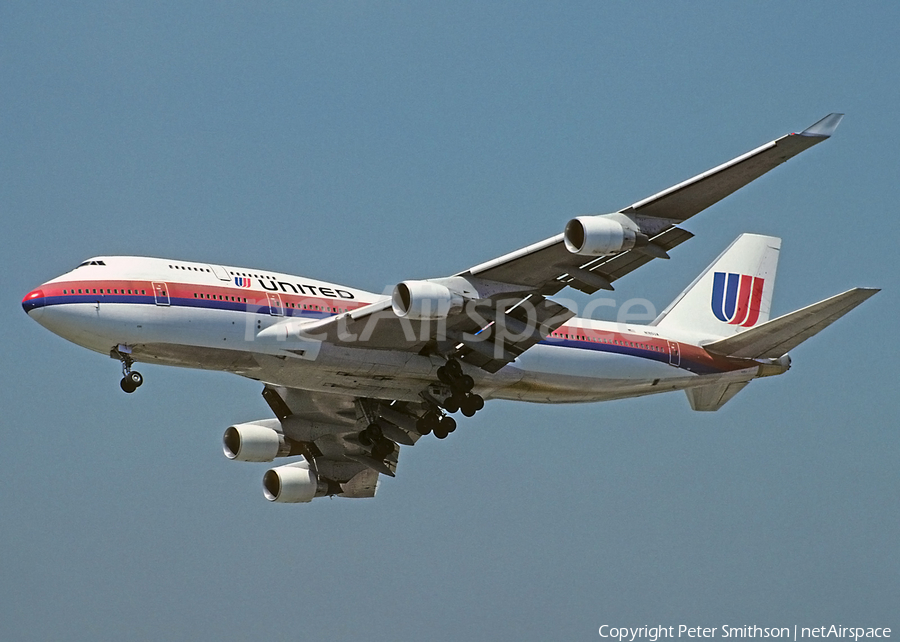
[
  {"x": 548, "y": 265},
  {"x": 325, "y": 429},
  {"x": 507, "y": 310}
]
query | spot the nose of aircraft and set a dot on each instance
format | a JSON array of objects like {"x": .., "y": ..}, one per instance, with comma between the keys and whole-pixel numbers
[{"x": 33, "y": 303}]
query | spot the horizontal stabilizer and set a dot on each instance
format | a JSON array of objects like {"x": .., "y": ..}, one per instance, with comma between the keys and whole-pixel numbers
[{"x": 778, "y": 336}]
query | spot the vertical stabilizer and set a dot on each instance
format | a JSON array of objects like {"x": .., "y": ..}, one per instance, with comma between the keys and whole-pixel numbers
[{"x": 731, "y": 295}]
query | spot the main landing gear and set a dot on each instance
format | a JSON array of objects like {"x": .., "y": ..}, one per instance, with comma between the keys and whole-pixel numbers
[
  {"x": 389, "y": 427},
  {"x": 435, "y": 422},
  {"x": 381, "y": 445},
  {"x": 131, "y": 379},
  {"x": 462, "y": 398}
]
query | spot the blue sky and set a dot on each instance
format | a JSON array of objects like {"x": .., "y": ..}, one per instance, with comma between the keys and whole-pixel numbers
[{"x": 368, "y": 143}]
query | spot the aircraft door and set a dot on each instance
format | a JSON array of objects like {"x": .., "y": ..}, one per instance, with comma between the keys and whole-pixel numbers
[
  {"x": 220, "y": 272},
  {"x": 674, "y": 354},
  {"x": 161, "y": 293},
  {"x": 276, "y": 309}
]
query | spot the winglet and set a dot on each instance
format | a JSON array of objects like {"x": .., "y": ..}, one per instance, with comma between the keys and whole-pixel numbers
[{"x": 825, "y": 127}]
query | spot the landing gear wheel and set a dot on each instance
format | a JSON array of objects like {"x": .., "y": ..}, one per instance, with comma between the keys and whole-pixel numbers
[
  {"x": 465, "y": 383},
  {"x": 453, "y": 368},
  {"x": 371, "y": 435},
  {"x": 448, "y": 424},
  {"x": 468, "y": 407},
  {"x": 431, "y": 420},
  {"x": 440, "y": 432},
  {"x": 423, "y": 426},
  {"x": 451, "y": 404},
  {"x": 131, "y": 381},
  {"x": 382, "y": 449},
  {"x": 444, "y": 376},
  {"x": 478, "y": 400}
]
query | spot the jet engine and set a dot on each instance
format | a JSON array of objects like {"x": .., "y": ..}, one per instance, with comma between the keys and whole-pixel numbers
[
  {"x": 258, "y": 441},
  {"x": 424, "y": 300},
  {"x": 291, "y": 484},
  {"x": 600, "y": 235}
]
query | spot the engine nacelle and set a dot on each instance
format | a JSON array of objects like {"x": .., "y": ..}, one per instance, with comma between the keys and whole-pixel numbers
[
  {"x": 254, "y": 442},
  {"x": 291, "y": 484},
  {"x": 424, "y": 300},
  {"x": 599, "y": 236}
]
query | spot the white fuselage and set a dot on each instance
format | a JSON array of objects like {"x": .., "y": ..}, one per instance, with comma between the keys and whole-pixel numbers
[{"x": 212, "y": 317}]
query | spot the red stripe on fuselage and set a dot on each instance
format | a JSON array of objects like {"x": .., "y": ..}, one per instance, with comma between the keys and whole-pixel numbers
[
  {"x": 692, "y": 358},
  {"x": 97, "y": 289}
]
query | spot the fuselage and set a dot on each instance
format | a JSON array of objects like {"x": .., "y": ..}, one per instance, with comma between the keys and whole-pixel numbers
[{"x": 198, "y": 315}]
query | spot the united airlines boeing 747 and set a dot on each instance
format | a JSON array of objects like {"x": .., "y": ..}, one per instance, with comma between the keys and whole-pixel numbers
[{"x": 351, "y": 376}]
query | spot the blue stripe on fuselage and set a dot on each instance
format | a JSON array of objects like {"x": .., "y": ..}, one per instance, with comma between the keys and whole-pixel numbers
[
  {"x": 207, "y": 304},
  {"x": 641, "y": 353}
]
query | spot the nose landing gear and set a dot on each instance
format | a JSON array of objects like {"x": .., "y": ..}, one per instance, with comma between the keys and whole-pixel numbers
[{"x": 131, "y": 379}]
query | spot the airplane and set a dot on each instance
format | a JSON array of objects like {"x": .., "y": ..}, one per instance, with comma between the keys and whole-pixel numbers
[{"x": 351, "y": 376}]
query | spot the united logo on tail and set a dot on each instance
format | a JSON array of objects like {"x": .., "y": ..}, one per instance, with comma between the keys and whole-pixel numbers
[{"x": 736, "y": 298}]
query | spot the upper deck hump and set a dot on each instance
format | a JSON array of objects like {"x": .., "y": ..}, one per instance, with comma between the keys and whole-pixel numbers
[{"x": 106, "y": 268}]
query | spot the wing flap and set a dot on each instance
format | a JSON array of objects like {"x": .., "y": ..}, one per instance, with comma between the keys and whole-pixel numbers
[
  {"x": 501, "y": 340},
  {"x": 327, "y": 427}
]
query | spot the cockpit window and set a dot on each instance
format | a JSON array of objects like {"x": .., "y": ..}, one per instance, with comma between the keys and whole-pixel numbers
[{"x": 90, "y": 263}]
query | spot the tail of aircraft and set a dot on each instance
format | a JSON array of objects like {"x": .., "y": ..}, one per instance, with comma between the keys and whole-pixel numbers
[
  {"x": 729, "y": 305},
  {"x": 731, "y": 295}
]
